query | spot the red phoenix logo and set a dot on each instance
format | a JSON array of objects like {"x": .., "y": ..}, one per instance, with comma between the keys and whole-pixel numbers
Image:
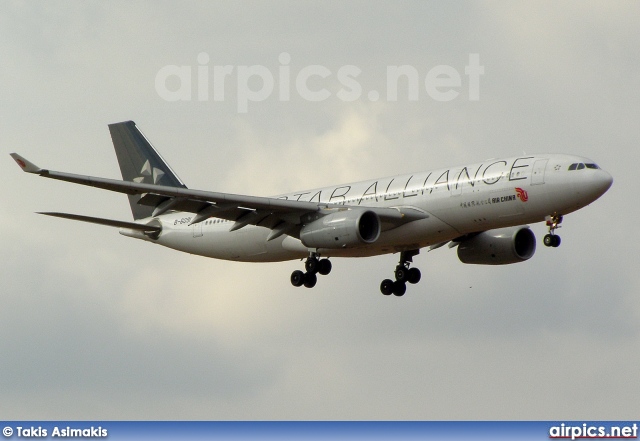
[
  {"x": 21, "y": 163},
  {"x": 522, "y": 194}
]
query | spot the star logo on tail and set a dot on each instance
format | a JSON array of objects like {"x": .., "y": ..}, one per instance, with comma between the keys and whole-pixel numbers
[{"x": 147, "y": 171}]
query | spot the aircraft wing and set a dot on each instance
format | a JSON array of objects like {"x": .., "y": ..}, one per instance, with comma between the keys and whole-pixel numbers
[{"x": 282, "y": 216}]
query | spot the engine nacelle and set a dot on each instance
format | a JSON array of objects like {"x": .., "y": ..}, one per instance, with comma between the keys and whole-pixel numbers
[
  {"x": 498, "y": 247},
  {"x": 343, "y": 229}
]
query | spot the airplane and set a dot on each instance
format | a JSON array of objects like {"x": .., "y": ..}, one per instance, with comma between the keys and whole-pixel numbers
[{"x": 482, "y": 209}]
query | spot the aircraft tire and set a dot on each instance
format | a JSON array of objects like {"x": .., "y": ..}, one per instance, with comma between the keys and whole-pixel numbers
[
  {"x": 311, "y": 265},
  {"x": 548, "y": 240},
  {"x": 402, "y": 274},
  {"x": 297, "y": 278},
  {"x": 310, "y": 280},
  {"x": 324, "y": 266},
  {"x": 414, "y": 275},
  {"x": 386, "y": 287},
  {"x": 399, "y": 288}
]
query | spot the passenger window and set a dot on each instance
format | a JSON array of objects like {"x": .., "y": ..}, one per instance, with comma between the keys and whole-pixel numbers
[
  {"x": 573, "y": 166},
  {"x": 580, "y": 166}
]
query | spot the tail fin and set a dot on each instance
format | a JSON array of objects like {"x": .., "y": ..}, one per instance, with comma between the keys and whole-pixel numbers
[{"x": 140, "y": 162}]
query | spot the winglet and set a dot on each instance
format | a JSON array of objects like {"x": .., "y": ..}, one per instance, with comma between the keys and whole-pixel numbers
[{"x": 26, "y": 165}]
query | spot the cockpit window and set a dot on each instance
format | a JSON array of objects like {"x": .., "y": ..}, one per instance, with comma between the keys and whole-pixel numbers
[{"x": 581, "y": 166}]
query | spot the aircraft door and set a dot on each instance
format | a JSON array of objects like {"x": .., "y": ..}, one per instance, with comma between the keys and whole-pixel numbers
[
  {"x": 537, "y": 176},
  {"x": 197, "y": 229}
]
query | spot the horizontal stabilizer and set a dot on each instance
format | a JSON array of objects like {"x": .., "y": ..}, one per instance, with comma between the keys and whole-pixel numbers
[{"x": 108, "y": 222}]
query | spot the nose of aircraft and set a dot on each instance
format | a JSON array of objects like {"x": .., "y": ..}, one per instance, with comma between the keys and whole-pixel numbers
[
  {"x": 604, "y": 181},
  {"x": 600, "y": 183}
]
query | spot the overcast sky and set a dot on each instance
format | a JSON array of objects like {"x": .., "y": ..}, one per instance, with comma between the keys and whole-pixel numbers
[{"x": 94, "y": 325}]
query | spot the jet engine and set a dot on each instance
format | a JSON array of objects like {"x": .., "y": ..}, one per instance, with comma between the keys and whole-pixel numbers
[
  {"x": 343, "y": 229},
  {"x": 498, "y": 247}
]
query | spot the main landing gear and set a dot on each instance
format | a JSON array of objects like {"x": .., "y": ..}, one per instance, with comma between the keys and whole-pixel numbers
[
  {"x": 314, "y": 265},
  {"x": 551, "y": 239},
  {"x": 403, "y": 274}
]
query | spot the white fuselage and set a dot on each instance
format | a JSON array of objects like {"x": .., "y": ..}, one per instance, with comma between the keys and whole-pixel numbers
[{"x": 457, "y": 201}]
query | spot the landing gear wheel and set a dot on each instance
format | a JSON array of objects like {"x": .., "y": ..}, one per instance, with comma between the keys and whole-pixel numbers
[
  {"x": 402, "y": 273},
  {"x": 324, "y": 266},
  {"x": 311, "y": 265},
  {"x": 386, "y": 287},
  {"x": 553, "y": 222},
  {"x": 297, "y": 278},
  {"x": 399, "y": 288},
  {"x": 310, "y": 280},
  {"x": 552, "y": 240},
  {"x": 414, "y": 276}
]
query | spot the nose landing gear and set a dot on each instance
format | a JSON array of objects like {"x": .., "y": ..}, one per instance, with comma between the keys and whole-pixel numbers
[
  {"x": 403, "y": 274},
  {"x": 551, "y": 239},
  {"x": 314, "y": 265}
]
